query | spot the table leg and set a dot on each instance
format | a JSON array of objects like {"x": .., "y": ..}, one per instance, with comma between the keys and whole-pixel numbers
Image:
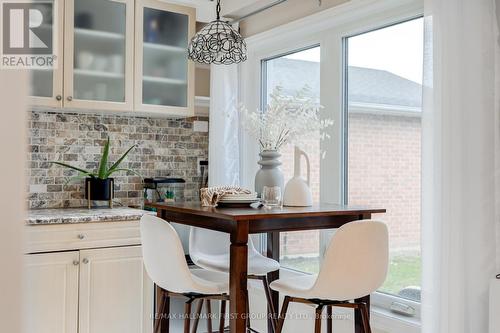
[
  {"x": 358, "y": 320},
  {"x": 238, "y": 267},
  {"x": 273, "y": 252}
]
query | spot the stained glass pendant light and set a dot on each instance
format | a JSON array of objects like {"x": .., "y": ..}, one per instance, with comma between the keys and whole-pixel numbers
[{"x": 217, "y": 43}]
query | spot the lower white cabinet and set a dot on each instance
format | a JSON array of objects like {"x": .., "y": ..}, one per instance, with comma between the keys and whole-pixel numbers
[
  {"x": 115, "y": 291},
  {"x": 51, "y": 292},
  {"x": 104, "y": 290}
]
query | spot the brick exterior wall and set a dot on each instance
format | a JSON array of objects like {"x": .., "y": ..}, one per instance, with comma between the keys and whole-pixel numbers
[
  {"x": 384, "y": 171},
  {"x": 166, "y": 147}
]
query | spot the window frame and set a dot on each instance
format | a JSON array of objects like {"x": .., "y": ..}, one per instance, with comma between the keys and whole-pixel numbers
[
  {"x": 325, "y": 235},
  {"x": 327, "y": 28},
  {"x": 384, "y": 300}
]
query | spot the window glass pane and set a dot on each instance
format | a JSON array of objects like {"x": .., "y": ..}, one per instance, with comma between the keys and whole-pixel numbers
[
  {"x": 292, "y": 72},
  {"x": 384, "y": 78}
]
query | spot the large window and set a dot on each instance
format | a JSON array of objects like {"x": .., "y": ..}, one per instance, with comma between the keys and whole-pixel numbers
[
  {"x": 292, "y": 72},
  {"x": 383, "y": 115},
  {"x": 369, "y": 81}
]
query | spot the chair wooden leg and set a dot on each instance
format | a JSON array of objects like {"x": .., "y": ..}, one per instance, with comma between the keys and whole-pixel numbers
[
  {"x": 270, "y": 307},
  {"x": 209, "y": 316},
  {"x": 281, "y": 319},
  {"x": 222, "y": 316},
  {"x": 165, "y": 327},
  {"x": 197, "y": 315},
  {"x": 317, "y": 320},
  {"x": 162, "y": 323},
  {"x": 366, "y": 318},
  {"x": 329, "y": 319},
  {"x": 187, "y": 315},
  {"x": 159, "y": 314},
  {"x": 248, "y": 313}
]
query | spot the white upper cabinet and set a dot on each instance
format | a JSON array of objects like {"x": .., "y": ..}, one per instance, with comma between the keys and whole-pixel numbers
[
  {"x": 121, "y": 55},
  {"x": 164, "y": 78},
  {"x": 47, "y": 84},
  {"x": 98, "y": 59}
]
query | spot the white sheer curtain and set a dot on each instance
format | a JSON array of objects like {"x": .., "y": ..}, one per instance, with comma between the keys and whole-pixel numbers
[
  {"x": 460, "y": 154},
  {"x": 223, "y": 145}
]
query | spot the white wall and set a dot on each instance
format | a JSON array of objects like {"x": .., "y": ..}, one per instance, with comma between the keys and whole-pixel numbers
[
  {"x": 232, "y": 7},
  {"x": 13, "y": 84}
]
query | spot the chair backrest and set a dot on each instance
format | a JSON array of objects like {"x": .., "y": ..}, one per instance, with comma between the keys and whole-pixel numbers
[
  {"x": 355, "y": 263},
  {"x": 204, "y": 241},
  {"x": 163, "y": 255},
  {"x": 208, "y": 242}
]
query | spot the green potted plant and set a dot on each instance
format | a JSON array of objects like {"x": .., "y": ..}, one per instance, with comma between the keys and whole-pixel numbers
[{"x": 100, "y": 181}]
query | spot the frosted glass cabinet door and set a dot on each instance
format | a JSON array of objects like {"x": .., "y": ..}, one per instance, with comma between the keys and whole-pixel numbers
[
  {"x": 98, "y": 54},
  {"x": 46, "y": 83},
  {"x": 164, "y": 76}
]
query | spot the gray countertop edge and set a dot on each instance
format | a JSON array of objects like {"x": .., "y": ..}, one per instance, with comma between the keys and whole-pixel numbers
[{"x": 83, "y": 215}]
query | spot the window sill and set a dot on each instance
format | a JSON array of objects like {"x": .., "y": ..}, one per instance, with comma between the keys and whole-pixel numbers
[{"x": 383, "y": 319}]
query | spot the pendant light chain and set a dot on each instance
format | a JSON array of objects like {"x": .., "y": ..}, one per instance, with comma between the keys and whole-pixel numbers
[{"x": 218, "y": 10}]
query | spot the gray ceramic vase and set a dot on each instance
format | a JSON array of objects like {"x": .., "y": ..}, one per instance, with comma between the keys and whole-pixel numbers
[{"x": 269, "y": 173}]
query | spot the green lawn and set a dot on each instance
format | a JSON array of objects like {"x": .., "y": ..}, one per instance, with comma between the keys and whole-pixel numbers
[
  {"x": 309, "y": 265},
  {"x": 404, "y": 270}
]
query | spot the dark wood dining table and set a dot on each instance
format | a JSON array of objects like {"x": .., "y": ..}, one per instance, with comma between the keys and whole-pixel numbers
[{"x": 239, "y": 223}]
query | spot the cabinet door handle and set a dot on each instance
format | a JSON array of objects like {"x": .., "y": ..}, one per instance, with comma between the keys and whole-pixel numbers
[
  {"x": 81, "y": 236},
  {"x": 76, "y": 262},
  {"x": 85, "y": 261},
  {"x": 58, "y": 97},
  {"x": 69, "y": 98}
]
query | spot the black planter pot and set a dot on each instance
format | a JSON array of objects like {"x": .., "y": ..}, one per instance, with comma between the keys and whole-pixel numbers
[{"x": 100, "y": 189}]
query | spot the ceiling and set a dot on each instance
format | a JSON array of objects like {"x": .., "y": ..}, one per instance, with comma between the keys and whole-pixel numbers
[
  {"x": 235, "y": 8},
  {"x": 205, "y": 9}
]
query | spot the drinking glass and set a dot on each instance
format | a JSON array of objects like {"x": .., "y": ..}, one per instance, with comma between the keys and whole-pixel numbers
[{"x": 271, "y": 196}]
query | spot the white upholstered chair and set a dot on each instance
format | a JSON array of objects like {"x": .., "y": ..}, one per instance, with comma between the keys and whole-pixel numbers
[
  {"x": 166, "y": 265},
  {"x": 210, "y": 250},
  {"x": 355, "y": 265}
]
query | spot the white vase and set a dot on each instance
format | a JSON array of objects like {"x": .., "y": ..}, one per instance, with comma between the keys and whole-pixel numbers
[{"x": 297, "y": 191}]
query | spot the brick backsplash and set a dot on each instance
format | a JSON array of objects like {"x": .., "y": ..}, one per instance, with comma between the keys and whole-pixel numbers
[{"x": 166, "y": 147}]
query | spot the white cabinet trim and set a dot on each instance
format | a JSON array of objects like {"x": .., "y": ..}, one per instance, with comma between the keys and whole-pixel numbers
[{"x": 63, "y": 237}]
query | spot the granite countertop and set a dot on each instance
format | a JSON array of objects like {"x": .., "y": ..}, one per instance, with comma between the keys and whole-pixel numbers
[{"x": 82, "y": 215}]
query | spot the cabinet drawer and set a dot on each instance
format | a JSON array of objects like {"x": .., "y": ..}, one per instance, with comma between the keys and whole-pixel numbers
[{"x": 46, "y": 238}]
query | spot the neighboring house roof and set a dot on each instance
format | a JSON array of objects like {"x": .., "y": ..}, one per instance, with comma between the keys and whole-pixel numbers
[
  {"x": 376, "y": 86},
  {"x": 366, "y": 86},
  {"x": 292, "y": 75}
]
